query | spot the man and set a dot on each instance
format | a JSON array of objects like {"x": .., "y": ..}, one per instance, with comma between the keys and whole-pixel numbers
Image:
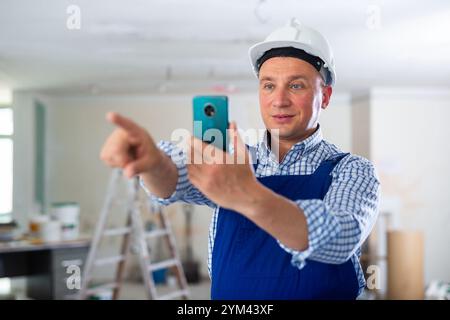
[{"x": 292, "y": 227}]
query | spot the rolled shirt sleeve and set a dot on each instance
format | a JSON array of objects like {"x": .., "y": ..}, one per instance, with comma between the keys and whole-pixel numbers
[{"x": 339, "y": 224}]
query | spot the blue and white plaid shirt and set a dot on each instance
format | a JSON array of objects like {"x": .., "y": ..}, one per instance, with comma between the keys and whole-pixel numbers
[{"x": 337, "y": 225}]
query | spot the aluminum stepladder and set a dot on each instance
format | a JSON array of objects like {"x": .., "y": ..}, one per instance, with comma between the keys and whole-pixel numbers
[{"x": 135, "y": 238}]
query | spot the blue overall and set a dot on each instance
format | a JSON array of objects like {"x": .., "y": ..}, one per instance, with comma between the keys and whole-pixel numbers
[{"x": 248, "y": 263}]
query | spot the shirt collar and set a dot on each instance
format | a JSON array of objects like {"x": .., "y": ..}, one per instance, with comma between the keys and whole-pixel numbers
[{"x": 300, "y": 148}]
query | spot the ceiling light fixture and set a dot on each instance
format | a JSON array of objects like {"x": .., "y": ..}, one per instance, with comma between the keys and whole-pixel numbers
[{"x": 261, "y": 16}]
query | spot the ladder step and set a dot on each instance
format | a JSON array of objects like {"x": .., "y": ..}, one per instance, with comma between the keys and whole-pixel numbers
[
  {"x": 157, "y": 233},
  {"x": 117, "y": 232},
  {"x": 109, "y": 260},
  {"x": 175, "y": 294},
  {"x": 163, "y": 264},
  {"x": 102, "y": 287}
]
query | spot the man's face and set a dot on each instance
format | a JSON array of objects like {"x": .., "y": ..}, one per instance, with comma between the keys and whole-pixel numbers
[{"x": 291, "y": 94}]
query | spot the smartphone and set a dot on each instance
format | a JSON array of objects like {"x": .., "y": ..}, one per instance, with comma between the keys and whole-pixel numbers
[{"x": 211, "y": 120}]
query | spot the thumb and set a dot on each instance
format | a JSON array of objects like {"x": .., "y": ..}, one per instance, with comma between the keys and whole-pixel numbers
[{"x": 136, "y": 167}]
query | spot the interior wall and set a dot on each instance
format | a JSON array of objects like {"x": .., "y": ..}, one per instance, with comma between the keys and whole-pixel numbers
[
  {"x": 336, "y": 122},
  {"x": 410, "y": 149},
  {"x": 23, "y": 154}
]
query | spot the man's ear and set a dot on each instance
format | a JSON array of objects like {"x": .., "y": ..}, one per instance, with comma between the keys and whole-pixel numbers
[{"x": 326, "y": 96}]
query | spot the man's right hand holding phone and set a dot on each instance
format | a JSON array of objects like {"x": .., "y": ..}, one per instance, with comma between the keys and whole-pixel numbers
[{"x": 131, "y": 148}]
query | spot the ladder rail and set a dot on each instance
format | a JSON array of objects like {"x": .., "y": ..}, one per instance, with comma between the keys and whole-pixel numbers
[
  {"x": 180, "y": 275},
  {"x": 140, "y": 238},
  {"x": 124, "y": 251},
  {"x": 85, "y": 277}
]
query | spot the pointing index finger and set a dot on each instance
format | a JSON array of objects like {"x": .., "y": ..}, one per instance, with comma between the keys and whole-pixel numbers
[{"x": 122, "y": 122}]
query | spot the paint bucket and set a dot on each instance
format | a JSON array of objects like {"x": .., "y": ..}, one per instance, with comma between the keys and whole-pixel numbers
[{"x": 68, "y": 214}]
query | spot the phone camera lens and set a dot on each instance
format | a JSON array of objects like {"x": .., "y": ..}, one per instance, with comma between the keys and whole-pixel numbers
[{"x": 209, "y": 110}]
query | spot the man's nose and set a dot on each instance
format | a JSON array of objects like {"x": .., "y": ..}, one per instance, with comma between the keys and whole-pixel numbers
[{"x": 280, "y": 98}]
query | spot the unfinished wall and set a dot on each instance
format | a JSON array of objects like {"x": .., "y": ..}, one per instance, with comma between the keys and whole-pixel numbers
[{"x": 409, "y": 145}]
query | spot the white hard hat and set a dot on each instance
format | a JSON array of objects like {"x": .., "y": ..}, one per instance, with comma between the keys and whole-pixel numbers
[{"x": 298, "y": 36}]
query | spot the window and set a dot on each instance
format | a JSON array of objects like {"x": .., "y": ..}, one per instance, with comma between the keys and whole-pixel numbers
[{"x": 6, "y": 163}]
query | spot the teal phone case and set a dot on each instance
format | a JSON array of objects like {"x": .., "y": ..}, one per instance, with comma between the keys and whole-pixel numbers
[{"x": 211, "y": 120}]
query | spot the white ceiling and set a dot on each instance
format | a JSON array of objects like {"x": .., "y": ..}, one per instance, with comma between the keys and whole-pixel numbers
[{"x": 142, "y": 46}]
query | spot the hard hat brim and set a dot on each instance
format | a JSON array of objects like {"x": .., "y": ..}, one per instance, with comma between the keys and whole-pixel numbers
[{"x": 256, "y": 51}]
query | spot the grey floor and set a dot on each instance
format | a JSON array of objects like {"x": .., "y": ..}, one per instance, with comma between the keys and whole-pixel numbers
[
  {"x": 135, "y": 291},
  {"x": 130, "y": 290}
]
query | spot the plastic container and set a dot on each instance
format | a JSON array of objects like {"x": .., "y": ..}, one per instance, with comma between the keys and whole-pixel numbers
[
  {"x": 101, "y": 295},
  {"x": 159, "y": 276},
  {"x": 36, "y": 224},
  {"x": 51, "y": 231},
  {"x": 68, "y": 214}
]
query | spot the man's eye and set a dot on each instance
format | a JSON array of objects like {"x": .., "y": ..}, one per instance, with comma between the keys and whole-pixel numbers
[
  {"x": 296, "y": 86},
  {"x": 268, "y": 86}
]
